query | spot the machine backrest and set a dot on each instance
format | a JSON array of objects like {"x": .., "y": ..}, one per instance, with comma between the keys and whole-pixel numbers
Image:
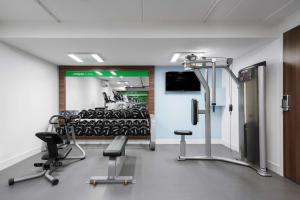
[
  {"x": 194, "y": 112},
  {"x": 52, "y": 139}
]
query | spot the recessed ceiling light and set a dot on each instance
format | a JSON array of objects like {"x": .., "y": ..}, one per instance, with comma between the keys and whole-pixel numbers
[
  {"x": 74, "y": 57},
  {"x": 175, "y": 57},
  {"x": 122, "y": 82},
  {"x": 113, "y": 73},
  {"x": 97, "y": 58}
]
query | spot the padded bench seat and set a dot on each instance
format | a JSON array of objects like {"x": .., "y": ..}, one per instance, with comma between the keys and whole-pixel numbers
[
  {"x": 183, "y": 132},
  {"x": 116, "y": 147}
]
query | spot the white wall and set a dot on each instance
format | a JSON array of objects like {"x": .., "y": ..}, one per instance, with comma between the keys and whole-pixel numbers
[
  {"x": 173, "y": 111},
  {"x": 28, "y": 96},
  {"x": 272, "y": 54},
  {"x": 83, "y": 93}
]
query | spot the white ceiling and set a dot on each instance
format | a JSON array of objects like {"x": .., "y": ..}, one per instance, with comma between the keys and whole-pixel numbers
[
  {"x": 149, "y": 10},
  {"x": 133, "y": 51},
  {"x": 140, "y": 32}
]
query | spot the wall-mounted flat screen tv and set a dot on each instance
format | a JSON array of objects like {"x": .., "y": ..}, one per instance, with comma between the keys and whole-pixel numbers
[{"x": 182, "y": 81}]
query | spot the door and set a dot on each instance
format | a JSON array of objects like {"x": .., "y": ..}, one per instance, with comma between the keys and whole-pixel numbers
[{"x": 291, "y": 118}]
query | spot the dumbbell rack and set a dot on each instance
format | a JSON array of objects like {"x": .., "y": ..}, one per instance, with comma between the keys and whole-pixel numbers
[{"x": 150, "y": 136}]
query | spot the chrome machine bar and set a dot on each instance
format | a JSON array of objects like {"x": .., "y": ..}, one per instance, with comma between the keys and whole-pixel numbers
[
  {"x": 262, "y": 121},
  {"x": 213, "y": 101},
  {"x": 207, "y": 113}
]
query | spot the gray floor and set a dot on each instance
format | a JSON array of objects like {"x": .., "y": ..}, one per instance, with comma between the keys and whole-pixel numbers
[{"x": 158, "y": 176}]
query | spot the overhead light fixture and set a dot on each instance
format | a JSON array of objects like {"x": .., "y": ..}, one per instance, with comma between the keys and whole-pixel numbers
[
  {"x": 99, "y": 73},
  {"x": 122, "y": 82},
  {"x": 97, "y": 58},
  {"x": 200, "y": 54},
  {"x": 113, "y": 73},
  {"x": 74, "y": 57},
  {"x": 175, "y": 57}
]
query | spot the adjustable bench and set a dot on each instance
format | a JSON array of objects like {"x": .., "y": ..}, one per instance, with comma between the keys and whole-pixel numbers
[{"x": 116, "y": 153}]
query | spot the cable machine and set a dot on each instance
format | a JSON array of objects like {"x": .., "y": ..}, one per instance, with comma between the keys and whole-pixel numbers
[{"x": 250, "y": 83}]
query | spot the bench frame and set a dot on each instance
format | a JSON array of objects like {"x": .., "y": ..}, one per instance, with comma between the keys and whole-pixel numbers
[{"x": 115, "y": 165}]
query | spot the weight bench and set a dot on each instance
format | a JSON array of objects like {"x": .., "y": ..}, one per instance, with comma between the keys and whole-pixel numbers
[{"x": 116, "y": 153}]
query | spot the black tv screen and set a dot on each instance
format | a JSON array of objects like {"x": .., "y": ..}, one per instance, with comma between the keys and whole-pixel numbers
[{"x": 182, "y": 81}]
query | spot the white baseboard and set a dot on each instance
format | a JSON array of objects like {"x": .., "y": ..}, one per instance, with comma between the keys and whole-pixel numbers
[
  {"x": 18, "y": 158},
  {"x": 275, "y": 168},
  {"x": 188, "y": 141}
]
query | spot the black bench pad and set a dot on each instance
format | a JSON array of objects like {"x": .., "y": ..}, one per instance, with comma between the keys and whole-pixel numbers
[
  {"x": 116, "y": 147},
  {"x": 183, "y": 132}
]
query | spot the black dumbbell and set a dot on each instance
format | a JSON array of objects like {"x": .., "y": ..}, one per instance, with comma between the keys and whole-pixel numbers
[
  {"x": 129, "y": 123},
  {"x": 100, "y": 114},
  {"x": 135, "y": 113},
  {"x": 144, "y": 130},
  {"x": 134, "y": 130},
  {"x": 106, "y": 129},
  {"x": 91, "y": 114},
  {"x": 108, "y": 114},
  {"x": 124, "y": 130},
  {"x": 136, "y": 123},
  {"x": 83, "y": 114},
  {"x": 115, "y": 130}
]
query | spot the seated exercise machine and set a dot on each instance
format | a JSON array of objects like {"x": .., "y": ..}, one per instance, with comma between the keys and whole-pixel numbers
[
  {"x": 251, "y": 111},
  {"x": 116, "y": 153},
  {"x": 58, "y": 148},
  {"x": 67, "y": 121},
  {"x": 53, "y": 158}
]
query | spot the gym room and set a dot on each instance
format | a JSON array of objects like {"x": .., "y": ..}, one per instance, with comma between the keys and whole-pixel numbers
[{"x": 150, "y": 99}]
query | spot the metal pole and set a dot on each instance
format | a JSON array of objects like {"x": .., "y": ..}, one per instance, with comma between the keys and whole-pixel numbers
[
  {"x": 262, "y": 118},
  {"x": 236, "y": 80},
  {"x": 213, "y": 101},
  {"x": 207, "y": 114},
  {"x": 241, "y": 117}
]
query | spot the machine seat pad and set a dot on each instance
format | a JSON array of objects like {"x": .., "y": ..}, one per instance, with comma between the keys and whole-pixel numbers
[
  {"x": 62, "y": 153},
  {"x": 183, "y": 132},
  {"x": 116, "y": 147}
]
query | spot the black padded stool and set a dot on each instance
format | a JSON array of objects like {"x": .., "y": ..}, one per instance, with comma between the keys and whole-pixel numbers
[{"x": 182, "y": 133}]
